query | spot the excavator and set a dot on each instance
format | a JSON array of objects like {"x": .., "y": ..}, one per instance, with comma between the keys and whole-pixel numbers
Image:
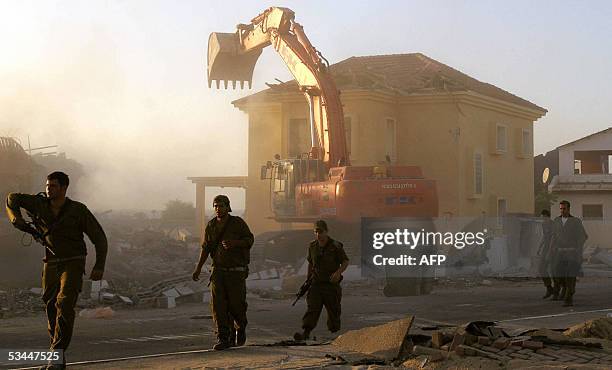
[{"x": 320, "y": 184}]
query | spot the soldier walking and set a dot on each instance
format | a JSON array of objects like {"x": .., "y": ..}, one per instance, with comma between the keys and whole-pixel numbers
[
  {"x": 228, "y": 240},
  {"x": 568, "y": 237},
  {"x": 545, "y": 254},
  {"x": 61, "y": 223},
  {"x": 326, "y": 263}
]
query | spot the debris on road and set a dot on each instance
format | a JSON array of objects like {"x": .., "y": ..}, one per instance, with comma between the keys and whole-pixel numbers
[{"x": 480, "y": 344}]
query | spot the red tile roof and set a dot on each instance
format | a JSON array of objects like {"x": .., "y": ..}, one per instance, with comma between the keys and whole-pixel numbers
[{"x": 402, "y": 74}]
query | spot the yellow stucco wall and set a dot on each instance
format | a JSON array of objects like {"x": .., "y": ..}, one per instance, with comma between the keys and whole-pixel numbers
[
  {"x": 438, "y": 133},
  {"x": 264, "y": 143},
  {"x": 507, "y": 175}
]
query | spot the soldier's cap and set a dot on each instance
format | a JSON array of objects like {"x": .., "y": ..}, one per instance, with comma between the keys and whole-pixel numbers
[
  {"x": 320, "y": 225},
  {"x": 223, "y": 199}
]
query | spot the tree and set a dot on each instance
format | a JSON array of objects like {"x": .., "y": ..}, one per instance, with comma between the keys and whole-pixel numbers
[
  {"x": 178, "y": 210},
  {"x": 544, "y": 199}
]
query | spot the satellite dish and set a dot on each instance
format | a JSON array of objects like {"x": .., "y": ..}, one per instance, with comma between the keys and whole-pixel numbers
[{"x": 545, "y": 175}]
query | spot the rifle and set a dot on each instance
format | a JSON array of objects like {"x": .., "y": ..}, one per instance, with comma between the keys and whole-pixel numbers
[
  {"x": 303, "y": 289},
  {"x": 37, "y": 233}
]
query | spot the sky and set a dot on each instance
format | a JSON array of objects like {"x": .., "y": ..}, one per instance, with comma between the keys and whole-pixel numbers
[{"x": 120, "y": 86}]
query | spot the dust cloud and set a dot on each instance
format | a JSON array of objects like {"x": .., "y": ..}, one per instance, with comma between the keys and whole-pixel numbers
[{"x": 139, "y": 133}]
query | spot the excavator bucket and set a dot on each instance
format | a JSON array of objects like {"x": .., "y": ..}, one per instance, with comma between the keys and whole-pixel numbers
[{"x": 226, "y": 61}]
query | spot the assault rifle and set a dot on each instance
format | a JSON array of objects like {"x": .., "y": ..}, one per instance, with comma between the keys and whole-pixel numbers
[
  {"x": 303, "y": 289},
  {"x": 36, "y": 231}
]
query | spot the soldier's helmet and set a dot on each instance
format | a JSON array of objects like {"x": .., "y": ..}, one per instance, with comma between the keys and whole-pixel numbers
[{"x": 223, "y": 199}]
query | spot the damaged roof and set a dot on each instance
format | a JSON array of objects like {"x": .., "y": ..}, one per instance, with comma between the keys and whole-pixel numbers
[{"x": 401, "y": 74}]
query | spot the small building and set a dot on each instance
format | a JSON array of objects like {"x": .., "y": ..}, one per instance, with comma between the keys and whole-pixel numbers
[
  {"x": 473, "y": 138},
  {"x": 585, "y": 180}
]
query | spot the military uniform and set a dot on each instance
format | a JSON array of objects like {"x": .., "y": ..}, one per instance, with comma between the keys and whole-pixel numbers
[
  {"x": 325, "y": 260},
  {"x": 229, "y": 273},
  {"x": 567, "y": 241},
  {"x": 63, "y": 269},
  {"x": 546, "y": 257}
]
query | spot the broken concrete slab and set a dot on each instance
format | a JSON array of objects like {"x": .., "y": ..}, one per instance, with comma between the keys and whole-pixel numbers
[
  {"x": 431, "y": 353},
  {"x": 125, "y": 300},
  {"x": 165, "y": 302},
  {"x": 387, "y": 341},
  {"x": 171, "y": 293},
  {"x": 604, "y": 257},
  {"x": 184, "y": 290}
]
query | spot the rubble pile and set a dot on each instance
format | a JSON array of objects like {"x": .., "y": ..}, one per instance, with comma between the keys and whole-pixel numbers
[
  {"x": 142, "y": 258},
  {"x": 18, "y": 302},
  {"x": 480, "y": 341}
]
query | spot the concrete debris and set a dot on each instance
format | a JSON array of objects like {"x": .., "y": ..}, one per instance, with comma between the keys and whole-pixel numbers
[
  {"x": 173, "y": 293},
  {"x": 478, "y": 343},
  {"x": 387, "y": 341},
  {"x": 165, "y": 302},
  {"x": 18, "y": 302},
  {"x": 604, "y": 257},
  {"x": 97, "y": 313},
  {"x": 125, "y": 300}
]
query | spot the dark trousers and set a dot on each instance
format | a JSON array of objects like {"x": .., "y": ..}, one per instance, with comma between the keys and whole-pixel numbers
[
  {"x": 567, "y": 267},
  {"x": 61, "y": 284},
  {"x": 321, "y": 295},
  {"x": 228, "y": 301}
]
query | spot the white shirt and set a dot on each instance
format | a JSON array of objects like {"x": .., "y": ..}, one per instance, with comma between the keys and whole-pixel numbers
[{"x": 564, "y": 220}]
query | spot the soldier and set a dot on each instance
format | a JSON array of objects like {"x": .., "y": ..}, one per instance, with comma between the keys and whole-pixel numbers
[
  {"x": 228, "y": 240},
  {"x": 62, "y": 222},
  {"x": 544, "y": 253},
  {"x": 326, "y": 263},
  {"x": 568, "y": 237}
]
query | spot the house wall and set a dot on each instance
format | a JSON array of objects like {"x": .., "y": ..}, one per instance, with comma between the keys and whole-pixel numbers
[
  {"x": 602, "y": 141},
  {"x": 438, "y": 133},
  {"x": 265, "y": 140},
  {"x": 508, "y": 174},
  {"x": 598, "y": 230}
]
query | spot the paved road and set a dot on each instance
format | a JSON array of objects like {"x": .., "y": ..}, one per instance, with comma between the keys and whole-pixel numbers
[{"x": 146, "y": 331}]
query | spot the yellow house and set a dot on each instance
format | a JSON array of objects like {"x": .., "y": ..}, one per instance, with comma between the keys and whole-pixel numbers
[{"x": 474, "y": 139}]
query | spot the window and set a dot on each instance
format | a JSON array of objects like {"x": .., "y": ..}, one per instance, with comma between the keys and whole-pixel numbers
[
  {"x": 478, "y": 175},
  {"x": 347, "y": 131},
  {"x": 592, "y": 211},
  {"x": 526, "y": 142},
  {"x": 299, "y": 137},
  {"x": 501, "y": 138},
  {"x": 390, "y": 140},
  {"x": 577, "y": 167}
]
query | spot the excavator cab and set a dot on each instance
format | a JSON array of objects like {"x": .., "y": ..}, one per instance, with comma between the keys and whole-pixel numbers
[
  {"x": 285, "y": 176},
  {"x": 227, "y": 62}
]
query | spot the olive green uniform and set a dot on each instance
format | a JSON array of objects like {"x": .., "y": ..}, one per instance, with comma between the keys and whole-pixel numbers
[
  {"x": 63, "y": 271},
  {"x": 323, "y": 293},
  {"x": 230, "y": 270},
  {"x": 545, "y": 253},
  {"x": 567, "y": 242}
]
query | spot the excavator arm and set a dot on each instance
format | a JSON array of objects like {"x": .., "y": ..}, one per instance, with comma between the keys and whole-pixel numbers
[{"x": 232, "y": 58}]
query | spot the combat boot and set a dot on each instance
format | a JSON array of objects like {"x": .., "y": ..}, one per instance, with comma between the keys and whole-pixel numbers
[
  {"x": 240, "y": 337},
  {"x": 300, "y": 337},
  {"x": 549, "y": 292},
  {"x": 569, "y": 301},
  {"x": 222, "y": 343}
]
